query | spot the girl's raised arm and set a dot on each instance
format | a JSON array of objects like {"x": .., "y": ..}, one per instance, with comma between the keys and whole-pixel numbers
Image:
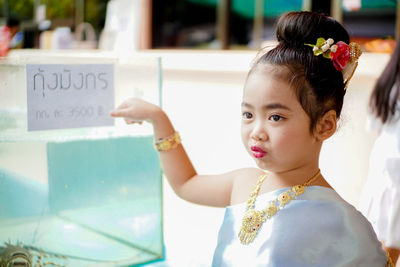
[{"x": 212, "y": 190}]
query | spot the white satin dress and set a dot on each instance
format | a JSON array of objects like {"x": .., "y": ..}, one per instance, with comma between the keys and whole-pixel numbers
[{"x": 317, "y": 228}]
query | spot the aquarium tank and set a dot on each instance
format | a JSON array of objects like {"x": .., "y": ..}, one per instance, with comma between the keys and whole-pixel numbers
[{"x": 77, "y": 187}]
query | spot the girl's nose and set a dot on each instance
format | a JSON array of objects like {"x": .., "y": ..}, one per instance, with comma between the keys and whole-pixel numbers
[{"x": 259, "y": 132}]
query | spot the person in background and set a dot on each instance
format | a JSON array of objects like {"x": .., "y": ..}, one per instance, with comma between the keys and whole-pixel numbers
[
  {"x": 380, "y": 199},
  {"x": 7, "y": 33}
]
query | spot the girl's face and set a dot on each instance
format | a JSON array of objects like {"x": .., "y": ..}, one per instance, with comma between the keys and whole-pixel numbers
[{"x": 275, "y": 127}]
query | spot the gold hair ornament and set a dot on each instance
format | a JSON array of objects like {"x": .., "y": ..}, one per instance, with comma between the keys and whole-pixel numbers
[
  {"x": 343, "y": 56},
  {"x": 168, "y": 143},
  {"x": 253, "y": 219}
]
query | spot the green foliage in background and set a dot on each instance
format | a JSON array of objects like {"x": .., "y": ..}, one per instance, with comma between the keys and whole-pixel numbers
[
  {"x": 95, "y": 13},
  {"x": 59, "y": 9},
  {"x": 22, "y": 9},
  {"x": 95, "y": 10}
]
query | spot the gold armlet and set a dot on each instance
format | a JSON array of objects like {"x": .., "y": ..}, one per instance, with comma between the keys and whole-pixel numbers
[{"x": 167, "y": 143}]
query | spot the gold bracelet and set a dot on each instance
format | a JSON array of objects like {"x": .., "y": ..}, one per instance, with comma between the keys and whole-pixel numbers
[
  {"x": 167, "y": 143},
  {"x": 390, "y": 262}
]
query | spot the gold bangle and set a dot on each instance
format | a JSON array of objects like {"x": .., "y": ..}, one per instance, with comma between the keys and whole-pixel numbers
[
  {"x": 390, "y": 262},
  {"x": 167, "y": 143}
]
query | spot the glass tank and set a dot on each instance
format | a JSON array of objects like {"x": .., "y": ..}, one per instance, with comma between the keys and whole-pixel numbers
[{"x": 76, "y": 194}]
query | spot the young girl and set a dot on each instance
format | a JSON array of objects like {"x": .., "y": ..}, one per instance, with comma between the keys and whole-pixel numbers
[
  {"x": 380, "y": 198},
  {"x": 283, "y": 213}
]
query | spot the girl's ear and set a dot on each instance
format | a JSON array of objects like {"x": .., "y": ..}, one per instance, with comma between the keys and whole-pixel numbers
[{"x": 326, "y": 126}]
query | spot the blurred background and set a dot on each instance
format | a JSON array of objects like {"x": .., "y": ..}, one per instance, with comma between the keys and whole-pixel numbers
[
  {"x": 206, "y": 48},
  {"x": 174, "y": 24}
]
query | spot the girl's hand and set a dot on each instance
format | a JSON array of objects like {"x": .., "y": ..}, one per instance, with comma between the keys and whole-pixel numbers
[{"x": 135, "y": 110}]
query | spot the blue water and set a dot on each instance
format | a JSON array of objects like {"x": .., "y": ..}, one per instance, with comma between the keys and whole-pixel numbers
[
  {"x": 21, "y": 197},
  {"x": 102, "y": 203}
]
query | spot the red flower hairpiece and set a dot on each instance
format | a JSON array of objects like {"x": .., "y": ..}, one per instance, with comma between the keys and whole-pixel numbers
[
  {"x": 343, "y": 56},
  {"x": 339, "y": 53}
]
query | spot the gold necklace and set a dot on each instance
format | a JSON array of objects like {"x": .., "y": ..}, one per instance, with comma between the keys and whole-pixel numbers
[{"x": 253, "y": 219}]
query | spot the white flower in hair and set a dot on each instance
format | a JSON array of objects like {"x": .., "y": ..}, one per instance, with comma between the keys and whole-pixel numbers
[{"x": 325, "y": 47}]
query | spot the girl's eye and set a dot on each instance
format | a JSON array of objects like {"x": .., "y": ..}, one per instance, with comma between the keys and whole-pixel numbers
[
  {"x": 247, "y": 115},
  {"x": 275, "y": 118}
]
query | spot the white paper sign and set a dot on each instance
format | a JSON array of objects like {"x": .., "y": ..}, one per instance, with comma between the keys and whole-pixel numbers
[{"x": 69, "y": 96}]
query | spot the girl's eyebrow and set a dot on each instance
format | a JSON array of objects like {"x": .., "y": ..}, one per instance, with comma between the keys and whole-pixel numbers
[{"x": 268, "y": 106}]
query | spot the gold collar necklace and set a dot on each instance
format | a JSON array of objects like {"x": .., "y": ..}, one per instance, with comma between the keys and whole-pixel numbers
[{"x": 253, "y": 219}]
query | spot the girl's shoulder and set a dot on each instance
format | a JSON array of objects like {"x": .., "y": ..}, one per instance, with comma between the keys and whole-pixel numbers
[
  {"x": 326, "y": 209},
  {"x": 322, "y": 217}
]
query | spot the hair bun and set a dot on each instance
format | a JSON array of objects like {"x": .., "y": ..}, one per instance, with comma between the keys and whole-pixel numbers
[{"x": 294, "y": 29}]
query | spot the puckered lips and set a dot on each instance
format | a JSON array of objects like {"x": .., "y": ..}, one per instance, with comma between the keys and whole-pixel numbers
[{"x": 257, "y": 151}]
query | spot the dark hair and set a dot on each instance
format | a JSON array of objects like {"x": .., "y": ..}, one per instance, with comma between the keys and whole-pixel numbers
[
  {"x": 387, "y": 89},
  {"x": 13, "y": 22},
  {"x": 319, "y": 86}
]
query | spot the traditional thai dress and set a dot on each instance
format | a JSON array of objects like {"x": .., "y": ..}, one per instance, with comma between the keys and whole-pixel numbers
[{"x": 317, "y": 228}]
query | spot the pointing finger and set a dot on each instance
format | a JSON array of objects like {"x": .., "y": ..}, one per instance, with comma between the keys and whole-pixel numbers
[{"x": 118, "y": 113}]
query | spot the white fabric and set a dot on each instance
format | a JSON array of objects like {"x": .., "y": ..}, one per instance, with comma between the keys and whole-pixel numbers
[{"x": 380, "y": 199}]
